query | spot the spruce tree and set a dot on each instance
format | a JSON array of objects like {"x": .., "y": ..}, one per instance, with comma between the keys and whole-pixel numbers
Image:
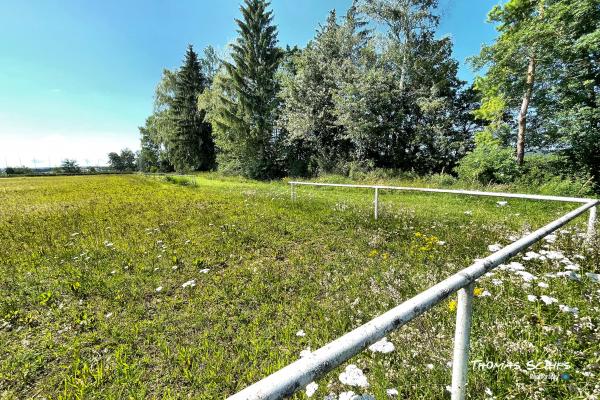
[
  {"x": 247, "y": 116},
  {"x": 190, "y": 144}
]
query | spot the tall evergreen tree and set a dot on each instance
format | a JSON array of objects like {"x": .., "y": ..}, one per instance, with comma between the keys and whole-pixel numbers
[
  {"x": 246, "y": 114},
  {"x": 190, "y": 143}
]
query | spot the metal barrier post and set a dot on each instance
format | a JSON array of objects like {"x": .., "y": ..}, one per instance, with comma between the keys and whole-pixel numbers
[
  {"x": 462, "y": 338},
  {"x": 376, "y": 203},
  {"x": 591, "y": 231}
]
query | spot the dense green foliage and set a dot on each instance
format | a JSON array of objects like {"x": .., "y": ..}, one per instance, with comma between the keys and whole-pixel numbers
[
  {"x": 560, "y": 39},
  {"x": 92, "y": 303},
  {"x": 176, "y": 135},
  {"x": 378, "y": 89},
  {"x": 191, "y": 145},
  {"x": 245, "y": 99},
  {"x": 69, "y": 166},
  {"x": 125, "y": 161}
]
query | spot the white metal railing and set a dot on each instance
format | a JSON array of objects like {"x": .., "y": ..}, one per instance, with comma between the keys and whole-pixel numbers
[{"x": 297, "y": 375}]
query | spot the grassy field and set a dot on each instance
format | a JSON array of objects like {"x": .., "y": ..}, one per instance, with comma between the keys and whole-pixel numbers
[{"x": 133, "y": 287}]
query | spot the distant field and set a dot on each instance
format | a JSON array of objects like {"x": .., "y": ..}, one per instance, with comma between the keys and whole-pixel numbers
[{"x": 132, "y": 287}]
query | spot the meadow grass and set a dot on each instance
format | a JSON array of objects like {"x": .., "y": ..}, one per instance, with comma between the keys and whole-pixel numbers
[{"x": 194, "y": 287}]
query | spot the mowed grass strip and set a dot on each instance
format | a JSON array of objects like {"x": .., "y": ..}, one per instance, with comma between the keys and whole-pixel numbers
[{"x": 135, "y": 287}]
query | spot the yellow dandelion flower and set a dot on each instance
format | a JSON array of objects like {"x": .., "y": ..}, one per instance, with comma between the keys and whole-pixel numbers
[
  {"x": 418, "y": 234},
  {"x": 452, "y": 305},
  {"x": 373, "y": 253},
  {"x": 386, "y": 256},
  {"x": 478, "y": 292}
]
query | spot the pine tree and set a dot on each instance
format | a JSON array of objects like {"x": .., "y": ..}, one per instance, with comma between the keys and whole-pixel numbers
[
  {"x": 190, "y": 144},
  {"x": 246, "y": 117}
]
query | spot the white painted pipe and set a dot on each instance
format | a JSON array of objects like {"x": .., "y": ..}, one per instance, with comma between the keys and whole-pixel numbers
[
  {"x": 297, "y": 375},
  {"x": 591, "y": 231},
  {"x": 376, "y": 203},
  {"x": 468, "y": 192},
  {"x": 462, "y": 340}
]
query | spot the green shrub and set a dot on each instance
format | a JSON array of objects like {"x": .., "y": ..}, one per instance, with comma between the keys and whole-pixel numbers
[
  {"x": 489, "y": 162},
  {"x": 181, "y": 180},
  {"x": 441, "y": 179},
  {"x": 18, "y": 170}
]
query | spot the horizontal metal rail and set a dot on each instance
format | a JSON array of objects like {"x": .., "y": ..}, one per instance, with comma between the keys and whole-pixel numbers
[
  {"x": 453, "y": 191},
  {"x": 297, "y": 375}
]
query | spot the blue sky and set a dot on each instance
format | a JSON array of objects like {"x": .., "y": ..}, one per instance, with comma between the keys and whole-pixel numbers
[{"x": 77, "y": 77}]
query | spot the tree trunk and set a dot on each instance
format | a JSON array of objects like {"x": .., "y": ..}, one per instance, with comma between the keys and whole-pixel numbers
[{"x": 523, "y": 112}]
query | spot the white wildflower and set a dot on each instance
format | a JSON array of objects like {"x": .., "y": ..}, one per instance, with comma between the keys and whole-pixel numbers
[
  {"x": 494, "y": 247},
  {"x": 392, "y": 392},
  {"x": 468, "y": 212},
  {"x": 567, "y": 309},
  {"x": 543, "y": 285},
  {"x": 353, "y": 396},
  {"x": 305, "y": 353},
  {"x": 348, "y": 395},
  {"x": 513, "y": 267},
  {"x": 300, "y": 333},
  {"x": 553, "y": 255},
  {"x": 502, "y": 203},
  {"x": 531, "y": 255},
  {"x": 570, "y": 274},
  {"x": 353, "y": 376},
  {"x": 158, "y": 289},
  {"x": 548, "y": 300},
  {"x": 383, "y": 346},
  {"x": 527, "y": 277},
  {"x": 311, "y": 388},
  {"x": 205, "y": 271},
  {"x": 531, "y": 298},
  {"x": 550, "y": 238},
  {"x": 190, "y": 283},
  {"x": 429, "y": 366},
  {"x": 497, "y": 282}
]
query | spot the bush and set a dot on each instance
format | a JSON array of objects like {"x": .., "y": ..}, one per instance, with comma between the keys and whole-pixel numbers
[
  {"x": 181, "y": 180},
  {"x": 18, "y": 171},
  {"x": 441, "y": 179},
  {"x": 489, "y": 162},
  {"x": 70, "y": 167},
  {"x": 553, "y": 174}
]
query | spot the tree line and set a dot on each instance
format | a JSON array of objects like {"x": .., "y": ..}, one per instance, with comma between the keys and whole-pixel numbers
[{"x": 377, "y": 88}]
